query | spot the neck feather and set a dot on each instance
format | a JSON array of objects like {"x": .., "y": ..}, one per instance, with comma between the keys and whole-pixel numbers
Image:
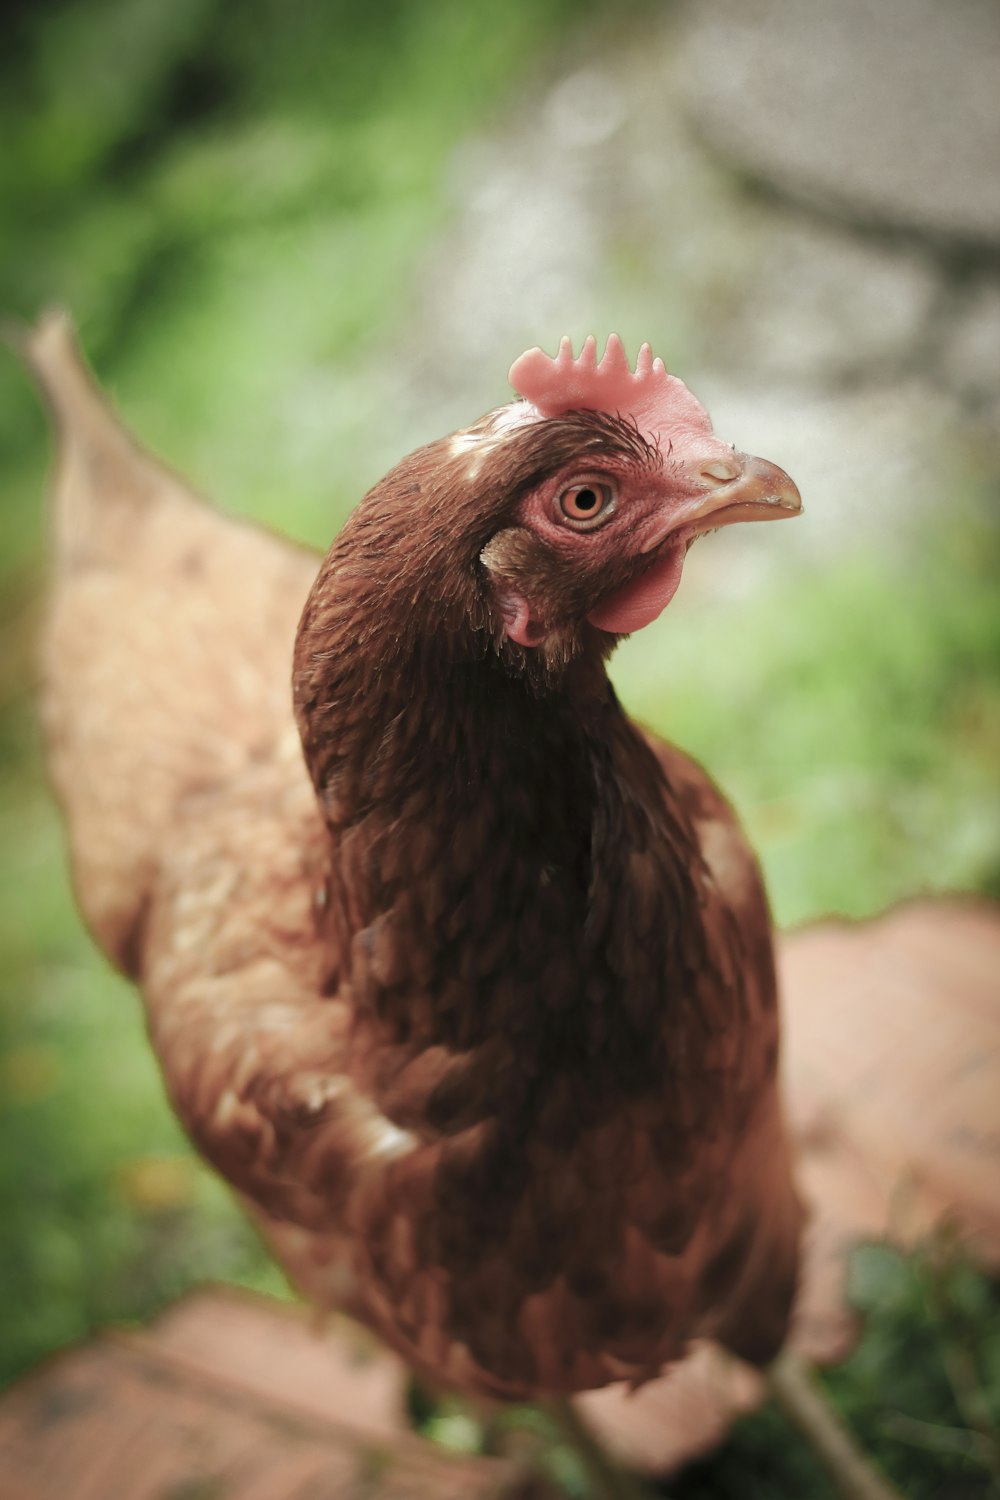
[{"x": 505, "y": 860}]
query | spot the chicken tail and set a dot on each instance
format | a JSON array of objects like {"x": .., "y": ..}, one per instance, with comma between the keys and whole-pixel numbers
[
  {"x": 166, "y": 648},
  {"x": 103, "y": 478},
  {"x": 51, "y": 351}
]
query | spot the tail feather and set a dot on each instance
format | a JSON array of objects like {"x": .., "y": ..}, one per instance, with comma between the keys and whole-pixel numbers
[
  {"x": 105, "y": 482},
  {"x": 52, "y": 352},
  {"x": 165, "y": 660}
]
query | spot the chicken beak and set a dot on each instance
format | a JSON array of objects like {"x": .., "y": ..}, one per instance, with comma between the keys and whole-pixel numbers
[
  {"x": 738, "y": 487},
  {"x": 744, "y": 489}
]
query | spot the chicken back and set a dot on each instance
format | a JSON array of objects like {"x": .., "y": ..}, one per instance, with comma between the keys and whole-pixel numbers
[{"x": 460, "y": 979}]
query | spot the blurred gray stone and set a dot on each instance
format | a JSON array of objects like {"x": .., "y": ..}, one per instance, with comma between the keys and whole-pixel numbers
[
  {"x": 888, "y": 110},
  {"x": 827, "y": 307},
  {"x": 971, "y": 348}
]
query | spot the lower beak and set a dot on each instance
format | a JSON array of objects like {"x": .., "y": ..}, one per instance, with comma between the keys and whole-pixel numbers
[{"x": 740, "y": 488}]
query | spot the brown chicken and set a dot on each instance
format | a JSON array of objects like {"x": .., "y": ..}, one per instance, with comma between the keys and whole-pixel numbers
[{"x": 461, "y": 980}]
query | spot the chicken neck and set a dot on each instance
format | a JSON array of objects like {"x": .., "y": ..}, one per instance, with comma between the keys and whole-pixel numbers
[{"x": 509, "y": 867}]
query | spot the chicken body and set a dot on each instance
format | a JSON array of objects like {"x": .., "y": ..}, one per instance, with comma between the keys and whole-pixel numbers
[{"x": 462, "y": 982}]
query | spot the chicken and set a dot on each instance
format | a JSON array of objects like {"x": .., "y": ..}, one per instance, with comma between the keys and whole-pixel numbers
[{"x": 462, "y": 981}]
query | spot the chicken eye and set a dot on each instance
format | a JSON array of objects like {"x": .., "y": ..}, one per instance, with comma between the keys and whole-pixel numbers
[{"x": 587, "y": 504}]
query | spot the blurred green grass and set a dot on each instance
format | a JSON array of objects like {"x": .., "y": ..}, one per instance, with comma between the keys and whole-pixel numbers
[
  {"x": 230, "y": 216},
  {"x": 852, "y": 712}
]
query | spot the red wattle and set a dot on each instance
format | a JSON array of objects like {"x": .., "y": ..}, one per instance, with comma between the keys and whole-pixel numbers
[{"x": 638, "y": 602}]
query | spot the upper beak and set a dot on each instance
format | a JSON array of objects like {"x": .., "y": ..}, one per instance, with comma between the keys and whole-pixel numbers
[{"x": 736, "y": 488}]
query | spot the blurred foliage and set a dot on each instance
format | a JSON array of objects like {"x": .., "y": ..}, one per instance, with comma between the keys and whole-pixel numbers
[
  {"x": 228, "y": 197},
  {"x": 921, "y": 1392},
  {"x": 232, "y": 200}
]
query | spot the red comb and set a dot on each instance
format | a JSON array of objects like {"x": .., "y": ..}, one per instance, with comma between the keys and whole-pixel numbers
[{"x": 659, "y": 403}]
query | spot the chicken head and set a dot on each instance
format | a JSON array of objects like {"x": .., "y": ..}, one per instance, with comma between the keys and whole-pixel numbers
[{"x": 636, "y": 474}]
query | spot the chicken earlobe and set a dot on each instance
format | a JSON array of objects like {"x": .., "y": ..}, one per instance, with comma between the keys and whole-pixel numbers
[{"x": 511, "y": 558}]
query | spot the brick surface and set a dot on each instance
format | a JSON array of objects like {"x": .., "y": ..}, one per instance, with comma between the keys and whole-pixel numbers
[{"x": 207, "y": 1406}]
